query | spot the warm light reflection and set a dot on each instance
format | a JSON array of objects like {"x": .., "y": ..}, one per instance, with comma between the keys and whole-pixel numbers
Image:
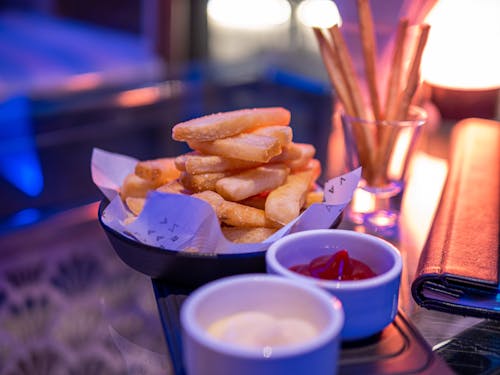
[
  {"x": 400, "y": 154},
  {"x": 383, "y": 221},
  {"x": 463, "y": 50},
  {"x": 138, "y": 97},
  {"x": 422, "y": 194},
  {"x": 362, "y": 201},
  {"x": 149, "y": 95},
  {"x": 420, "y": 202},
  {"x": 318, "y": 13},
  {"x": 82, "y": 82},
  {"x": 249, "y": 14}
]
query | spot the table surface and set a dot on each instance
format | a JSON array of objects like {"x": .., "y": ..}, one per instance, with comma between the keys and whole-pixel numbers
[{"x": 68, "y": 303}]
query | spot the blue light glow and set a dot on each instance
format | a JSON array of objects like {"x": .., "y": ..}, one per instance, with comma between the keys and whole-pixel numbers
[
  {"x": 19, "y": 162},
  {"x": 25, "y": 217}
]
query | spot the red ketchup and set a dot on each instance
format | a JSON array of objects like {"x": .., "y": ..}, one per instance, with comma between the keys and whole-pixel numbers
[{"x": 339, "y": 266}]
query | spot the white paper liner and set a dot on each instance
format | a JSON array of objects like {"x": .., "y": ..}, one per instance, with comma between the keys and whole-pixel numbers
[{"x": 183, "y": 223}]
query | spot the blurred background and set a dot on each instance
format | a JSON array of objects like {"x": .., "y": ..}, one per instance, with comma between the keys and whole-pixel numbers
[{"x": 118, "y": 74}]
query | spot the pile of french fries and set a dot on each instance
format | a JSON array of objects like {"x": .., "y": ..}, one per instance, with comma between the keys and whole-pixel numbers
[{"x": 244, "y": 163}]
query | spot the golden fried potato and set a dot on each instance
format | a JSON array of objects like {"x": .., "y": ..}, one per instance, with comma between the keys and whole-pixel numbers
[
  {"x": 158, "y": 171},
  {"x": 244, "y": 164},
  {"x": 173, "y": 187},
  {"x": 239, "y": 215},
  {"x": 257, "y": 201},
  {"x": 135, "y": 186},
  {"x": 314, "y": 197},
  {"x": 306, "y": 153},
  {"x": 290, "y": 152},
  {"x": 227, "y": 124},
  {"x": 236, "y": 214},
  {"x": 313, "y": 165},
  {"x": 283, "y": 134},
  {"x": 196, "y": 163},
  {"x": 295, "y": 155},
  {"x": 135, "y": 205},
  {"x": 247, "y": 235},
  {"x": 211, "y": 197},
  {"x": 247, "y": 146},
  {"x": 285, "y": 202},
  {"x": 251, "y": 182},
  {"x": 200, "y": 182},
  {"x": 180, "y": 161}
]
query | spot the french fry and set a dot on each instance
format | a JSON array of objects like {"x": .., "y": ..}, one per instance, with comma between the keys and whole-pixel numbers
[
  {"x": 251, "y": 182},
  {"x": 196, "y": 163},
  {"x": 257, "y": 201},
  {"x": 201, "y": 182},
  {"x": 245, "y": 146},
  {"x": 313, "y": 197},
  {"x": 247, "y": 235},
  {"x": 227, "y": 124},
  {"x": 236, "y": 214},
  {"x": 290, "y": 152},
  {"x": 285, "y": 202},
  {"x": 283, "y": 134},
  {"x": 239, "y": 215},
  {"x": 180, "y": 161},
  {"x": 314, "y": 166},
  {"x": 306, "y": 153},
  {"x": 158, "y": 171},
  {"x": 295, "y": 155},
  {"x": 135, "y": 186},
  {"x": 211, "y": 197},
  {"x": 135, "y": 205},
  {"x": 173, "y": 187}
]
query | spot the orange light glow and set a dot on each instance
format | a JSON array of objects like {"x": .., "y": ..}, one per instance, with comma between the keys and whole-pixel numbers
[
  {"x": 363, "y": 201},
  {"x": 421, "y": 198},
  {"x": 420, "y": 202},
  {"x": 150, "y": 95},
  {"x": 400, "y": 154},
  {"x": 82, "y": 82},
  {"x": 462, "y": 50},
  {"x": 138, "y": 97}
]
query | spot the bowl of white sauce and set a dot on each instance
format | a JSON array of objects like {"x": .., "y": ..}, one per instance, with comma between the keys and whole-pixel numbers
[{"x": 260, "y": 324}]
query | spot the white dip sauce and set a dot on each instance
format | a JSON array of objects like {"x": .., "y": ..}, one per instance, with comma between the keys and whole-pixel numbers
[{"x": 257, "y": 329}]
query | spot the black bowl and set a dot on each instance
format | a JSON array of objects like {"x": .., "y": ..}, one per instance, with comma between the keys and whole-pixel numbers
[{"x": 182, "y": 269}]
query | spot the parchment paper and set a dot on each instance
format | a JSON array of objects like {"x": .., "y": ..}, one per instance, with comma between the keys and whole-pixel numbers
[{"x": 183, "y": 223}]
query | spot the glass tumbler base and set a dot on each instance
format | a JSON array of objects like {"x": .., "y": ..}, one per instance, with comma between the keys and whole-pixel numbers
[{"x": 377, "y": 219}]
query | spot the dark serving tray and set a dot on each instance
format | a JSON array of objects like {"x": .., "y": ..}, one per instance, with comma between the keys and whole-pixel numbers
[{"x": 398, "y": 349}]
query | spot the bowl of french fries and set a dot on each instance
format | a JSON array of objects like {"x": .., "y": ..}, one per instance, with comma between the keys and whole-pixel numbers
[{"x": 213, "y": 211}]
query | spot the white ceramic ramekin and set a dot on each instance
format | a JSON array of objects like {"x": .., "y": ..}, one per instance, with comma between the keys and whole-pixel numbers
[
  {"x": 370, "y": 304},
  {"x": 278, "y": 296}
]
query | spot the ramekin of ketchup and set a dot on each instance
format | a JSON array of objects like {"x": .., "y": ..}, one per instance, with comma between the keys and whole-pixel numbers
[
  {"x": 361, "y": 270},
  {"x": 338, "y": 266}
]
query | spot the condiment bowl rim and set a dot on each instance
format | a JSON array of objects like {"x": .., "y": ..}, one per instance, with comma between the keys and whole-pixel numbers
[
  {"x": 330, "y": 331},
  {"x": 344, "y": 285}
]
